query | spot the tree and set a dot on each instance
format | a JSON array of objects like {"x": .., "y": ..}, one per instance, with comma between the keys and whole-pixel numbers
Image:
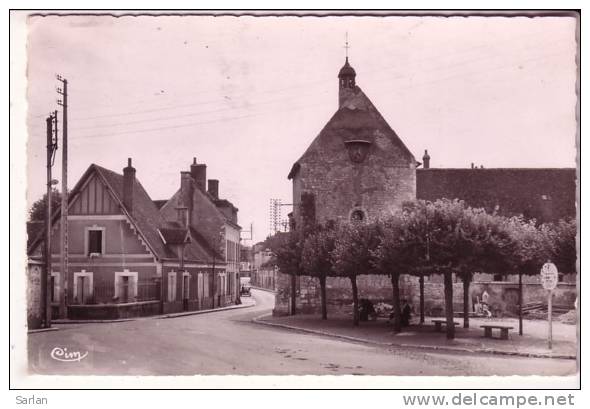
[
  {"x": 353, "y": 255},
  {"x": 38, "y": 210},
  {"x": 562, "y": 235},
  {"x": 483, "y": 246},
  {"x": 449, "y": 238},
  {"x": 286, "y": 249},
  {"x": 531, "y": 245},
  {"x": 393, "y": 256},
  {"x": 316, "y": 258}
]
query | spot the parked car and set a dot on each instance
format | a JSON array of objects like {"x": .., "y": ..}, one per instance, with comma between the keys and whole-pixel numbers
[{"x": 245, "y": 291}]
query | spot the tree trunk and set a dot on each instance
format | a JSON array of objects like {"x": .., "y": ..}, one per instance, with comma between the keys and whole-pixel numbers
[
  {"x": 421, "y": 281},
  {"x": 355, "y": 301},
  {"x": 397, "y": 309},
  {"x": 293, "y": 294},
  {"x": 449, "y": 305},
  {"x": 520, "y": 303},
  {"x": 466, "y": 283},
  {"x": 323, "y": 296}
]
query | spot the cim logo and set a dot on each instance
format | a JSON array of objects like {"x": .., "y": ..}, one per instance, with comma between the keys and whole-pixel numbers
[{"x": 63, "y": 355}]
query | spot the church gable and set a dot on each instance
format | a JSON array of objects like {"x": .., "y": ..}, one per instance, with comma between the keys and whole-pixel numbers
[
  {"x": 355, "y": 130},
  {"x": 94, "y": 198}
]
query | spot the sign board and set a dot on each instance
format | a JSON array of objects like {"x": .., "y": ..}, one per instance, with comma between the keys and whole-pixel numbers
[{"x": 549, "y": 276}]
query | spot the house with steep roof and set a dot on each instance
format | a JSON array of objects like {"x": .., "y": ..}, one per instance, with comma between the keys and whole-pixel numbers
[
  {"x": 127, "y": 256},
  {"x": 213, "y": 224}
]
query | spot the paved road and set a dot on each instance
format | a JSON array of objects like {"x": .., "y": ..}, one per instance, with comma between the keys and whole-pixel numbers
[{"x": 227, "y": 342}]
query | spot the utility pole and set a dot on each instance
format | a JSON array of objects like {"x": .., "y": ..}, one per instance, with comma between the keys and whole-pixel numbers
[
  {"x": 63, "y": 296},
  {"x": 46, "y": 278}
]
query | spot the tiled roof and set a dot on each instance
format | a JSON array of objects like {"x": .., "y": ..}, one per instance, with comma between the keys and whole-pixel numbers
[
  {"x": 145, "y": 216},
  {"x": 536, "y": 193},
  {"x": 160, "y": 203},
  {"x": 174, "y": 236}
]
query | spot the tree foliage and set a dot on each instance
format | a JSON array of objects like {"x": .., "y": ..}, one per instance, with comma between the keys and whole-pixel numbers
[{"x": 38, "y": 210}]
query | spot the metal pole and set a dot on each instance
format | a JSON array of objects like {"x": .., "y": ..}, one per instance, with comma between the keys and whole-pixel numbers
[
  {"x": 46, "y": 278},
  {"x": 550, "y": 318},
  {"x": 63, "y": 297},
  {"x": 422, "y": 299}
]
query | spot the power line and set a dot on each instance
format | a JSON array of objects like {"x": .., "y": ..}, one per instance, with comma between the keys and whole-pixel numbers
[
  {"x": 193, "y": 123},
  {"x": 192, "y": 114}
]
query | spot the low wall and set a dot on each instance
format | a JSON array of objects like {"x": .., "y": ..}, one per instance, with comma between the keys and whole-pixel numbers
[
  {"x": 503, "y": 296},
  {"x": 113, "y": 311}
]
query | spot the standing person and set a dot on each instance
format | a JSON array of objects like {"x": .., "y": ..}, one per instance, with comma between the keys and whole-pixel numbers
[
  {"x": 484, "y": 304},
  {"x": 406, "y": 314}
]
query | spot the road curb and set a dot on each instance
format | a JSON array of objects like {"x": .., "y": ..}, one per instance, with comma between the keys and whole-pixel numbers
[
  {"x": 258, "y": 320},
  {"x": 263, "y": 289},
  {"x": 154, "y": 317},
  {"x": 184, "y": 314},
  {"x": 34, "y": 331}
]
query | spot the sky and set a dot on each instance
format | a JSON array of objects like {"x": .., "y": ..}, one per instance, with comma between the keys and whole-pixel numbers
[{"x": 247, "y": 95}]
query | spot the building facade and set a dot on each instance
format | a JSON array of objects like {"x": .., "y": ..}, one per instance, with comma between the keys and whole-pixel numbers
[{"x": 128, "y": 257}]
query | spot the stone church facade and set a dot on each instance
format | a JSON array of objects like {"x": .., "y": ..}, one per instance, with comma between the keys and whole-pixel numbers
[{"x": 357, "y": 167}]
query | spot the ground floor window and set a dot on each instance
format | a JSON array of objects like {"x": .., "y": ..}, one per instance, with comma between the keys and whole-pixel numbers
[
  {"x": 200, "y": 286},
  {"x": 55, "y": 288},
  {"x": 126, "y": 286},
  {"x": 83, "y": 287},
  {"x": 172, "y": 286},
  {"x": 186, "y": 279}
]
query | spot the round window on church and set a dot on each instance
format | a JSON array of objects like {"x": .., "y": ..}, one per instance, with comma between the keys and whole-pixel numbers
[{"x": 357, "y": 216}]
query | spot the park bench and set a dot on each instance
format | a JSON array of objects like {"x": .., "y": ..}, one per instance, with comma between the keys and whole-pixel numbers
[
  {"x": 487, "y": 330},
  {"x": 439, "y": 323}
]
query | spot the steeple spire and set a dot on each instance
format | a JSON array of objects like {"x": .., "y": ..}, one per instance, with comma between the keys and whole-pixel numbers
[
  {"x": 346, "y": 77},
  {"x": 347, "y": 46}
]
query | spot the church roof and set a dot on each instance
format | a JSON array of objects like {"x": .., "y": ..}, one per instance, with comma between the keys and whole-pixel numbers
[{"x": 357, "y": 119}]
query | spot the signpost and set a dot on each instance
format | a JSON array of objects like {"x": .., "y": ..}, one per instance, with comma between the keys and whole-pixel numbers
[{"x": 549, "y": 278}]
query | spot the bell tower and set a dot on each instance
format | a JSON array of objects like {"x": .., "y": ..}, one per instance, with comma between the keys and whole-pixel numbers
[{"x": 346, "y": 78}]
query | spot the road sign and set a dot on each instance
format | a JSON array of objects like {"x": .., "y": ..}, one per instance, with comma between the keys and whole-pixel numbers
[
  {"x": 549, "y": 276},
  {"x": 549, "y": 280}
]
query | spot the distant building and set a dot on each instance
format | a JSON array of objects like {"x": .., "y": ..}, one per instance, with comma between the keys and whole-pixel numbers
[
  {"x": 358, "y": 168},
  {"x": 263, "y": 274},
  {"x": 131, "y": 256}
]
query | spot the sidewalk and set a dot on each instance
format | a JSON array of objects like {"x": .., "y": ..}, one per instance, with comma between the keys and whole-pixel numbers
[{"x": 533, "y": 343}]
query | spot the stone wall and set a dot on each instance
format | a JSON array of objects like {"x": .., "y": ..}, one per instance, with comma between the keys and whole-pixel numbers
[{"x": 503, "y": 295}]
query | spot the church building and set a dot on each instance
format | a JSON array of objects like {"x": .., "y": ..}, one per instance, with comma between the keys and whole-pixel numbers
[{"x": 358, "y": 168}]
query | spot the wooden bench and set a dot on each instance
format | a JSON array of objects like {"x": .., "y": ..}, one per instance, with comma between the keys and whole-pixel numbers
[
  {"x": 439, "y": 323},
  {"x": 487, "y": 330}
]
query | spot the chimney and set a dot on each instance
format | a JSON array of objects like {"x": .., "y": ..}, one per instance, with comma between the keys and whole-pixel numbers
[
  {"x": 199, "y": 173},
  {"x": 426, "y": 159},
  {"x": 213, "y": 188},
  {"x": 128, "y": 182},
  {"x": 185, "y": 199}
]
